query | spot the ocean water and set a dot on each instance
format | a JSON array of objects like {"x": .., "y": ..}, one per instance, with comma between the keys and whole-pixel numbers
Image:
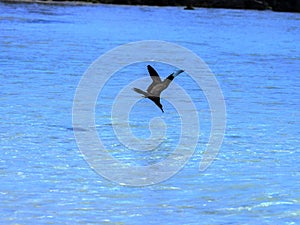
[{"x": 254, "y": 55}]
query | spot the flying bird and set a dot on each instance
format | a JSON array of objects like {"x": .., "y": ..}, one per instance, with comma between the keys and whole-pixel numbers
[{"x": 157, "y": 86}]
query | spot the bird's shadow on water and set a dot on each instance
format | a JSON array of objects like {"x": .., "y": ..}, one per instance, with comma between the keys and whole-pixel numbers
[{"x": 80, "y": 129}]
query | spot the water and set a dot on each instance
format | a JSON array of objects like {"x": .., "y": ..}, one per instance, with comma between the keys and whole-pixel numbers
[{"x": 45, "y": 49}]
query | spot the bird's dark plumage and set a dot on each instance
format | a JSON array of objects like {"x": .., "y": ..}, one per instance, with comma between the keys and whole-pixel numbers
[{"x": 157, "y": 86}]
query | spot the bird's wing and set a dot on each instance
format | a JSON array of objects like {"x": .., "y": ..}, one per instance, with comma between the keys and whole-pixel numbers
[
  {"x": 154, "y": 75},
  {"x": 168, "y": 80},
  {"x": 155, "y": 78}
]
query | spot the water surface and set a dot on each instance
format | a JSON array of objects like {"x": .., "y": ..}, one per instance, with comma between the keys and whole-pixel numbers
[{"x": 45, "y": 49}]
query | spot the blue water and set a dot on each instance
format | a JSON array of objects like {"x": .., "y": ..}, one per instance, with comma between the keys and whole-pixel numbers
[{"x": 255, "y": 179}]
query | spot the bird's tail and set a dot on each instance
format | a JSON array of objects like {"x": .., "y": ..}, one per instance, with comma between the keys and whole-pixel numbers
[{"x": 140, "y": 92}]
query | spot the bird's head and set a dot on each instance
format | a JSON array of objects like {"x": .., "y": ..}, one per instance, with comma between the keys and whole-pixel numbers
[
  {"x": 156, "y": 100},
  {"x": 161, "y": 107}
]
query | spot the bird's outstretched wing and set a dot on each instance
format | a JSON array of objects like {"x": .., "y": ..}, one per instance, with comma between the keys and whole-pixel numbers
[
  {"x": 169, "y": 78},
  {"x": 154, "y": 76}
]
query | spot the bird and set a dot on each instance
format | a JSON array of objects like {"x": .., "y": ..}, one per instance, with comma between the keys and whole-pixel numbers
[{"x": 157, "y": 86}]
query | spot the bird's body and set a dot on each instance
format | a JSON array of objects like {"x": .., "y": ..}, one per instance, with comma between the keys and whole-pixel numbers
[{"x": 157, "y": 86}]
